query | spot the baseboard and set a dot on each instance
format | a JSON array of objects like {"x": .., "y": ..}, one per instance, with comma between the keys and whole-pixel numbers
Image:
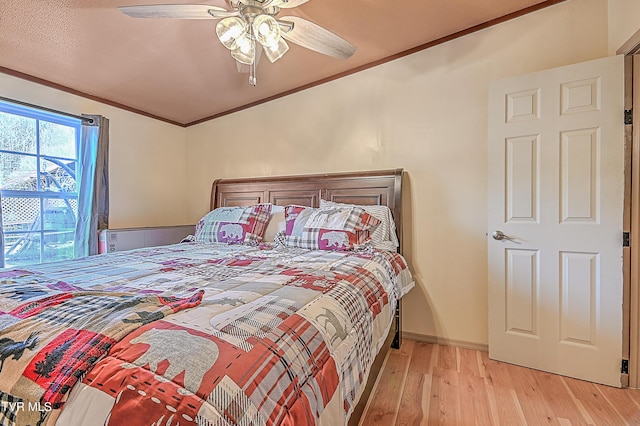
[{"x": 445, "y": 341}]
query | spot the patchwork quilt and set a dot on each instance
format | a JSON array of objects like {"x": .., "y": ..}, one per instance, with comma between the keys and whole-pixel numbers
[{"x": 195, "y": 333}]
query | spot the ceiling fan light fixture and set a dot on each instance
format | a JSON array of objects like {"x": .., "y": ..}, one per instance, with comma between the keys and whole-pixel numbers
[
  {"x": 277, "y": 50},
  {"x": 246, "y": 50},
  {"x": 266, "y": 30},
  {"x": 230, "y": 31},
  {"x": 248, "y": 27}
]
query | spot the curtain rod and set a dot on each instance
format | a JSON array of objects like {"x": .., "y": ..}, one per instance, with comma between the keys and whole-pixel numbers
[{"x": 55, "y": 111}]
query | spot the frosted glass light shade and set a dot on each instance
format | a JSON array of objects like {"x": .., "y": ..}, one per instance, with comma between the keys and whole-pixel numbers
[
  {"x": 246, "y": 50},
  {"x": 266, "y": 30},
  {"x": 229, "y": 30},
  {"x": 277, "y": 50}
]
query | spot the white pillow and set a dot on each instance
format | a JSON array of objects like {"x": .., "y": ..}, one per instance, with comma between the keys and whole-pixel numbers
[
  {"x": 276, "y": 223},
  {"x": 384, "y": 237}
]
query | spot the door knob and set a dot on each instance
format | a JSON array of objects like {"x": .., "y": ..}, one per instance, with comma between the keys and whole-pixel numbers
[{"x": 499, "y": 235}]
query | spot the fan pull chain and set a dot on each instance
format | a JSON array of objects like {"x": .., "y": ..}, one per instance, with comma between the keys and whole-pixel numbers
[
  {"x": 252, "y": 74},
  {"x": 252, "y": 67}
]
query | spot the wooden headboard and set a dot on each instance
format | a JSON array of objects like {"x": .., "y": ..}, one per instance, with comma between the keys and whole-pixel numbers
[{"x": 365, "y": 188}]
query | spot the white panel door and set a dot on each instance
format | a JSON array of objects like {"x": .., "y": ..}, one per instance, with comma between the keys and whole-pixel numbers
[{"x": 555, "y": 192}]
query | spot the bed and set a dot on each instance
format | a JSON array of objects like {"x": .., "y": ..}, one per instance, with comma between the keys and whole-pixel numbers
[{"x": 213, "y": 333}]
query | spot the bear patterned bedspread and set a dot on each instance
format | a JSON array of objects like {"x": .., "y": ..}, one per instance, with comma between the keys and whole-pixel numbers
[{"x": 206, "y": 334}]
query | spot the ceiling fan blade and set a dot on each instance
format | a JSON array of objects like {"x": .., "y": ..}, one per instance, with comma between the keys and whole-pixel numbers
[
  {"x": 287, "y": 4},
  {"x": 177, "y": 11},
  {"x": 314, "y": 37}
]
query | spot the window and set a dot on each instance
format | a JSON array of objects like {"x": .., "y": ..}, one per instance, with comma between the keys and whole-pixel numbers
[{"x": 39, "y": 154}]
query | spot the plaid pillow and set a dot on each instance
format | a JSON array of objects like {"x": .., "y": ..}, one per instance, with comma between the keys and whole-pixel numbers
[
  {"x": 234, "y": 225},
  {"x": 333, "y": 228},
  {"x": 384, "y": 237}
]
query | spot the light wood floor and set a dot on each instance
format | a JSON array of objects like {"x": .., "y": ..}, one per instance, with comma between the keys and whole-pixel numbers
[{"x": 423, "y": 383}]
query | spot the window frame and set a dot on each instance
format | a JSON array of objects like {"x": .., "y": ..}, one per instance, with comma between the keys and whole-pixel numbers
[{"x": 40, "y": 115}]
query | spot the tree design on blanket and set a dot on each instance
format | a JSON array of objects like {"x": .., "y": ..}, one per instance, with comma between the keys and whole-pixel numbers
[{"x": 45, "y": 367}]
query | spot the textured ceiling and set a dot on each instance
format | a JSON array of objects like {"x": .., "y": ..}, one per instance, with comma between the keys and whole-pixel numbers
[{"x": 177, "y": 70}]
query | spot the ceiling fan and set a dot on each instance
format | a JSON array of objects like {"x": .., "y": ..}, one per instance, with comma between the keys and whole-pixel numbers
[{"x": 250, "y": 27}]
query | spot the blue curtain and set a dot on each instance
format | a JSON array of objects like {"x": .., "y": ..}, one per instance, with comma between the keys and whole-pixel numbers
[{"x": 93, "y": 184}]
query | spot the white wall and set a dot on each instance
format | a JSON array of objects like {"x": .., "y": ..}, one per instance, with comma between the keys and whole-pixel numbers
[
  {"x": 426, "y": 113},
  {"x": 147, "y": 158},
  {"x": 624, "y": 21}
]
